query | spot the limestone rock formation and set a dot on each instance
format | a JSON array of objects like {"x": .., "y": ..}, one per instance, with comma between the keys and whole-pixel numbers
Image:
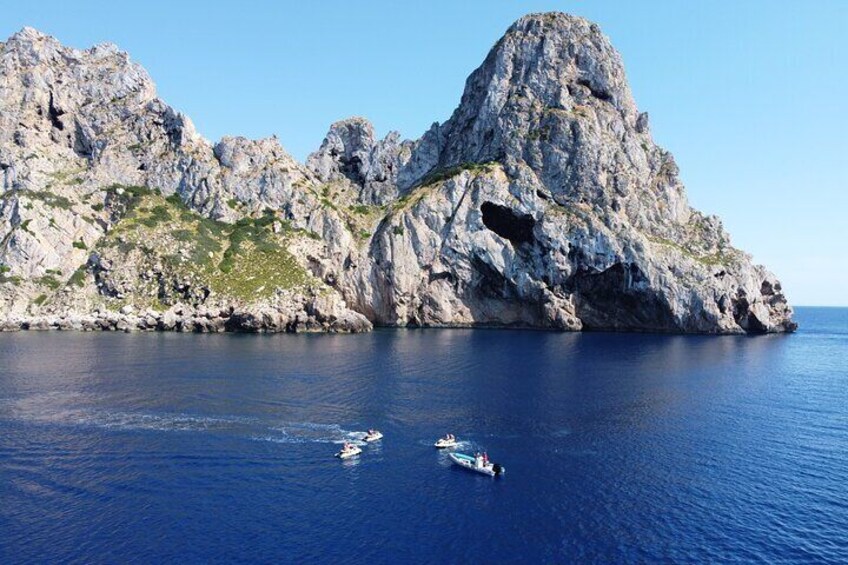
[
  {"x": 542, "y": 202},
  {"x": 351, "y": 153}
]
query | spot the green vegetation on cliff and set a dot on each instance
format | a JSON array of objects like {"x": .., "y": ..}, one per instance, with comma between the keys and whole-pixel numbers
[{"x": 246, "y": 260}]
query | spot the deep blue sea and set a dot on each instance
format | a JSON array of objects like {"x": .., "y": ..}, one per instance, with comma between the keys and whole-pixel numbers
[{"x": 149, "y": 448}]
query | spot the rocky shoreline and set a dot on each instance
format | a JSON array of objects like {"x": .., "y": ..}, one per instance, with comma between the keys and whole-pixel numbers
[{"x": 184, "y": 318}]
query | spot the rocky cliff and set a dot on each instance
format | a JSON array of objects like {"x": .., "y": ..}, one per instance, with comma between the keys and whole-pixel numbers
[{"x": 542, "y": 202}]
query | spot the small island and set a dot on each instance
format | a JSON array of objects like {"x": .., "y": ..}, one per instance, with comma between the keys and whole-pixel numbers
[{"x": 542, "y": 202}]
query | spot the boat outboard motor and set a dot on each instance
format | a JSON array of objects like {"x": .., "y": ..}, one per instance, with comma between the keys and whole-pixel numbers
[{"x": 497, "y": 468}]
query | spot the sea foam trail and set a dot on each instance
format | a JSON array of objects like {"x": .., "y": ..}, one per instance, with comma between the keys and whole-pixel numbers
[
  {"x": 128, "y": 421},
  {"x": 252, "y": 428},
  {"x": 287, "y": 432},
  {"x": 164, "y": 422},
  {"x": 311, "y": 432}
]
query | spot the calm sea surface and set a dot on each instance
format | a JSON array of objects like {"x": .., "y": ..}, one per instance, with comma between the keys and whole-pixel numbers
[{"x": 619, "y": 448}]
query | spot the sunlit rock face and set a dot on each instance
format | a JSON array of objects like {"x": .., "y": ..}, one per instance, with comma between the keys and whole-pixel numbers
[{"x": 542, "y": 202}]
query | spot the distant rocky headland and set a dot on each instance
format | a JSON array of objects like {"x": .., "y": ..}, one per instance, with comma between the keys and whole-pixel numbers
[{"x": 542, "y": 202}]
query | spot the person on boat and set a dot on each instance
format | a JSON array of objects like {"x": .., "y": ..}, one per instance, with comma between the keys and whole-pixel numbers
[{"x": 485, "y": 458}]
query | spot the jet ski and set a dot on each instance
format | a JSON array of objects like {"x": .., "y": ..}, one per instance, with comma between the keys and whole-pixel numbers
[
  {"x": 477, "y": 465},
  {"x": 444, "y": 442},
  {"x": 348, "y": 450},
  {"x": 372, "y": 435}
]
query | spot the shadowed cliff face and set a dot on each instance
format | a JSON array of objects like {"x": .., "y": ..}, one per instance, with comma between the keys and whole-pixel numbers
[{"x": 541, "y": 202}]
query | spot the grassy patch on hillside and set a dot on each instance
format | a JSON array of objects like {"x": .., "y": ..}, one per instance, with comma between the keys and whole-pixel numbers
[
  {"x": 435, "y": 178},
  {"x": 441, "y": 175},
  {"x": 49, "y": 281},
  {"x": 49, "y": 198},
  {"x": 245, "y": 260},
  {"x": 360, "y": 209},
  {"x": 5, "y": 277},
  {"x": 63, "y": 175},
  {"x": 722, "y": 257},
  {"x": 78, "y": 278}
]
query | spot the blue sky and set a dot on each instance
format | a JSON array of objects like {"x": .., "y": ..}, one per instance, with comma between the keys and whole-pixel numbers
[{"x": 750, "y": 97}]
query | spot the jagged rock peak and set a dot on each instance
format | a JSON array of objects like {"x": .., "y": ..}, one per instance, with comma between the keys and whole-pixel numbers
[
  {"x": 101, "y": 74},
  {"x": 545, "y": 62},
  {"x": 34, "y": 46},
  {"x": 343, "y": 149},
  {"x": 241, "y": 155},
  {"x": 28, "y": 34},
  {"x": 574, "y": 54},
  {"x": 351, "y": 152}
]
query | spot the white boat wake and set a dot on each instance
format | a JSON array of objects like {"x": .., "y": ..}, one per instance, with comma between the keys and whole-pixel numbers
[{"x": 310, "y": 432}]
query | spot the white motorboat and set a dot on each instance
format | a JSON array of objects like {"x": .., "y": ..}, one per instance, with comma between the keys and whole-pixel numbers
[
  {"x": 349, "y": 450},
  {"x": 477, "y": 465},
  {"x": 372, "y": 435},
  {"x": 444, "y": 442}
]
